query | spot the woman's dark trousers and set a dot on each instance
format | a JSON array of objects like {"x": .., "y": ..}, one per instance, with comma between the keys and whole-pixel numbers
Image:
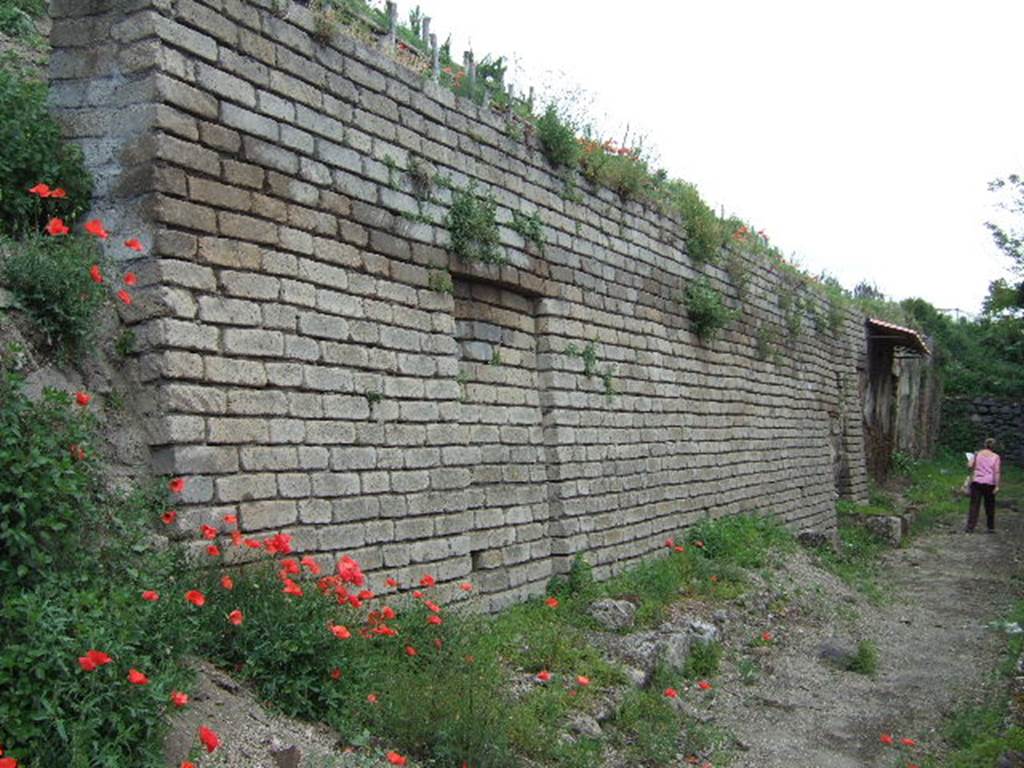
[{"x": 981, "y": 491}]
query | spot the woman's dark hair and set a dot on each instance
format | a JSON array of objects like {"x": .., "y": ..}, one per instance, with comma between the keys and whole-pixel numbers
[{"x": 990, "y": 443}]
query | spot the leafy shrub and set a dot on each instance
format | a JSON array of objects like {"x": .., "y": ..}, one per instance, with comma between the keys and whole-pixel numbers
[
  {"x": 46, "y": 493},
  {"x": 626, "y": 172},
  {"x": 473, "y": 227},
  {"x": 18, "y": 19},
  {"x": 704, "y": 231},
  {"x": 50, "y": 279},
  {"x": 558, "y": 139},
  {"x": 74, "y": 559},
  {"x": 32, "y": 151},
  {"x": 706, "y": 310}
]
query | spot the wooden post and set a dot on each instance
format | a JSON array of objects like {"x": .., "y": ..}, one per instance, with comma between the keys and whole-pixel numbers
[
  {"x": 389, "y": 40},
  {"x": 529, "y": 100},
  {"x": 425, "y": 30},
  {"x": 435, "y": 73}
]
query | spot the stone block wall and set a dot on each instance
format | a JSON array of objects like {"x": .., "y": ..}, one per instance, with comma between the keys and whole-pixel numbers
[
  {"x": 321, "y": 364},
  {"x": 967, "y": 422}
]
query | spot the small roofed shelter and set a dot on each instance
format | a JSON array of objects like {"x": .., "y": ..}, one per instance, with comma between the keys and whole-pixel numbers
[{"x": 886, "y": 343}]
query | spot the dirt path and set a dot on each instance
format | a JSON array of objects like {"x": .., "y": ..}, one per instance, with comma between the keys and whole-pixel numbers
[{"x": 935, "y": 650}]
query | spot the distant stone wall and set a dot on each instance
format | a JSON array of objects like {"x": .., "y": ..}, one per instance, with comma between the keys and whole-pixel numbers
[
  {"x": 968, "y": 421},
  {"x": 311, "y": 371}
]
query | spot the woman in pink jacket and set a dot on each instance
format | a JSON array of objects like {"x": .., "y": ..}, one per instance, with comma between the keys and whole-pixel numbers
[{"x": 984, "y": 485}]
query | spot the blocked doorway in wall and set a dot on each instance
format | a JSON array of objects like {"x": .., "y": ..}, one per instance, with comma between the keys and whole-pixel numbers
[{"x": 496, "y": 333}]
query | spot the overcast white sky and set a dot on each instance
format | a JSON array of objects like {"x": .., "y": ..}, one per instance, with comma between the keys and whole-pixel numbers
[{"x": 860, "y": 135}]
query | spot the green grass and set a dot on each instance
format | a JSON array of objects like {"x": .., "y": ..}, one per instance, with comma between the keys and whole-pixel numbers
[
  {"x": 976, "y": 734},
  {"x": 865, "y": 661}
]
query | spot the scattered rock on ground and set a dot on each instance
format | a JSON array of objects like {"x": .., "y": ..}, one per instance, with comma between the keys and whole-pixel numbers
[{"x": 613, "y": 614}]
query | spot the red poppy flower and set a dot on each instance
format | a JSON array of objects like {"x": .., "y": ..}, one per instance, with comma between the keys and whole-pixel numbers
[
  {"x": 99, "y": 658},
  {"x": 670, "y": 542},
  {"x": 350, "y": 572},
  {"x": 410, "y": 651},
  {"x": 253, "y": 543},
  {"x": 339, "y": 631},
  {"x": 391, "y": 582},
  {"x": 312, "y": 565},
  {"x": 290, "y": 566},
  {"x": 95, "y": 227},
  {"x": 56, "y": 227},
  {"x": 177, "y": 485},
  {"x": 59, "y": 192},
  {"x": 137, "y": 678},
  {"x": 434, "y": 619},
  {"x": 169, "y": 516},
  {"x": 886, "y": 738},
  {"x": 432, "y": 606},
  {"x": 236, "y": 617},
  {"x": 704, "y": 685},
  {"x": 366, "y": 594},
  {"x": 179, "y": 699},
  {"x": 8, "y": 762},
  {"x": 372, "y": 698},
  {"x": 387, "y": 613},
  {"x": 466, "y": 586},
  {"x": 671, "y": 693},
  {"x": 187, "y": 764},
  {"x": 86, "y": 663},
  {"x": 543, "y": 676},
  {"x": 336, "y": 674},
  {"x": 76, "y": 451},
  {"x": 213, "y": 550},
  {"x": 40, "y": 189},
  {"x": 227, "y": 582},
  {"x": 767, "y": 636},
  {"x": 417, "y": 594},
  {"x": 236, "y": 538},
  {"x": 135, "y": 245},
  {"x": 396, "y": 759},
  {"x": 908, "y": 742},
  {"x": 208, "y": 531},
  {"x": 150, "y": 596},
  {"x": 279, "y": 544},
  {"x": 428, "y": 581},
  {"x": 124, "y": 297},
  {"x": 291, "y": 588},
  {"x": 209, "y": 738},
  {"x": 583, "y": 680},
  {"x": 680, "y": 548},
  {"x": 196, "y": 597},
  {"x": 231, "y": 519},
  {"x": 130, "y": 278},
  {"x": 551, "y": 602},
  {"x": 83, "y": 398},
  {"x": 96, "y": 274}
]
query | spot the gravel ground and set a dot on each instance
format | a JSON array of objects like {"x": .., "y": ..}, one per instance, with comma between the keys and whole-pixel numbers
[{"x": 935, "y": 651}]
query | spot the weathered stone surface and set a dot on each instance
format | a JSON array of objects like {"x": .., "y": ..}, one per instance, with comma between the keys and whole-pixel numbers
[
  {"x": 613, "y": 614},
  {"x": 322, "y": 360}
]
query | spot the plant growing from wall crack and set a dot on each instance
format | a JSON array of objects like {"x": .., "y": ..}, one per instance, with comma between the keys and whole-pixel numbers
[
  {"x": 706, "y": 309},
  {"x": 473, "y": 227},
  {"x": 530, "y": 228},
  {"x": 440, "y": 281}
]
